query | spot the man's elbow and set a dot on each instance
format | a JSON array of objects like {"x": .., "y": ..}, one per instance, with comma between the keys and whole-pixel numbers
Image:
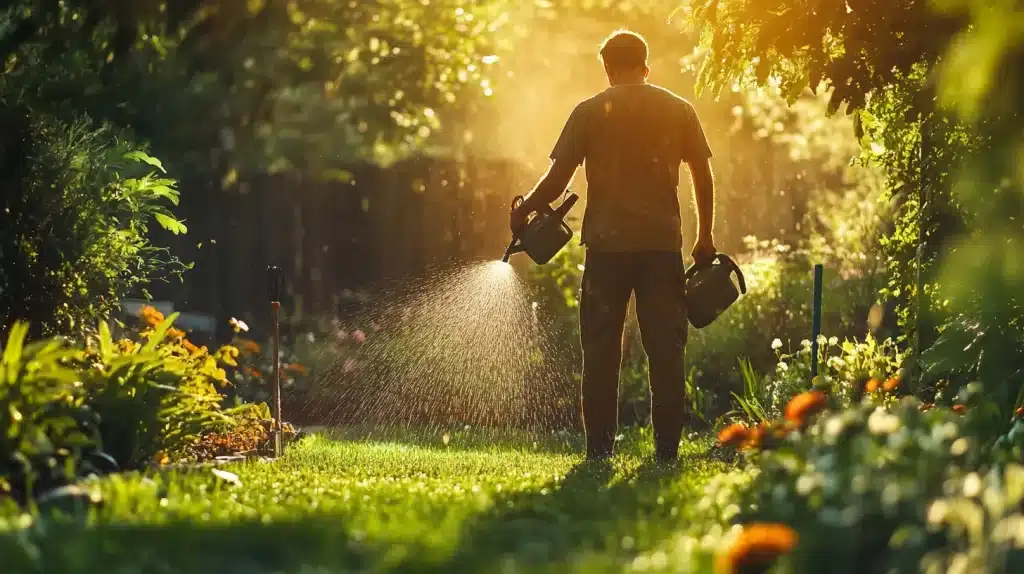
[{"x": 559, "y": 176}]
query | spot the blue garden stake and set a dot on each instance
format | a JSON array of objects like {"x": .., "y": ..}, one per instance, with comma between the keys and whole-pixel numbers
[{"x": 816, "y": 318}]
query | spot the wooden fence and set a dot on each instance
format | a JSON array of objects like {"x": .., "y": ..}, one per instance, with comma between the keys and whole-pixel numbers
[{"x": 335, "y": 238}]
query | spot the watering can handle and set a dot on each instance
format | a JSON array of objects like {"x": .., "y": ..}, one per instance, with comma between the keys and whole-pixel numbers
[{"x": 724, "y": 260}]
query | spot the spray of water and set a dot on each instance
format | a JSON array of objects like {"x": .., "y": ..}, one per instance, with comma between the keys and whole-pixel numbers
[{"x": 462, "y": 345}]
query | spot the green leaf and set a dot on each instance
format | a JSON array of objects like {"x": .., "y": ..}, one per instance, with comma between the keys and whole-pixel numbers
[
  {"x": 169, "y": 223},
  {"x": 159, "y": 333},
  {"x": 106, "y": 341},
  {"x": 164, "y": 191},
  {"x": 12, "y": 351},
  {"x": 141, "y": 156}
]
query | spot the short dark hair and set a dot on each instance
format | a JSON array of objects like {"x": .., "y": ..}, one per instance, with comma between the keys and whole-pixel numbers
[{"x": 624, "y": 50}]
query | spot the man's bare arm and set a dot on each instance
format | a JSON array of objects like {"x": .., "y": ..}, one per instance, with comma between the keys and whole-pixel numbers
[
  {"x": 703, "y": 197},
  {"x": 550, "y": 186}
]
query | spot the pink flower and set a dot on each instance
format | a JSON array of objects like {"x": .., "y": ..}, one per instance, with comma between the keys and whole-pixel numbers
[
  {"x": 359, "y": 336},
  {"x": 341, "y": 335},
  {"x": 350, "y": 365}
]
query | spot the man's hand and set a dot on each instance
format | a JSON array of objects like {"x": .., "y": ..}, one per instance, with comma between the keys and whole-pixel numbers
[
  {"x": 517, "y": 218},
  {"x": 703, "y": 251}
]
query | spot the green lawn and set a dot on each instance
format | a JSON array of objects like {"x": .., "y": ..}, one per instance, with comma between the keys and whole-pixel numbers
[{"x": 475, "y": 504}]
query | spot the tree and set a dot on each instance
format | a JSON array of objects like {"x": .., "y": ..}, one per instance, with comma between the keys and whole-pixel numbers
[
  {"x": 924, "y": 74},
  {"x": 264, "y": 82},
  {"x": 856, "y": 50}
]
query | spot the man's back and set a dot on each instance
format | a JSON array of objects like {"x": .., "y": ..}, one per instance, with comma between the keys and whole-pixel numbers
[{"x": 633, "y": 138}]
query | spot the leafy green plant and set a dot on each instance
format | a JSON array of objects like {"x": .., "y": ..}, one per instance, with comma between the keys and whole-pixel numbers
[
  {"x": 981, "y": 519},
  {"x": 754, "y": 390},
  {"x": 844, "y": 369},
  {"x": 853, "y": 478},
  {"x": 46, "y": 427},
  {"x": 155, "y": 397},
  {"x": 77, "y": 207}
]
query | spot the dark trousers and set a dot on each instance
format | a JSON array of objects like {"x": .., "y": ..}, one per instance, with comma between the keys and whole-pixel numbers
[{"x": 608, "y": 281}]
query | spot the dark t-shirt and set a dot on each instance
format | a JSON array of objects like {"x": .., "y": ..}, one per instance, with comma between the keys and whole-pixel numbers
[{"x": 633, "y": 138}]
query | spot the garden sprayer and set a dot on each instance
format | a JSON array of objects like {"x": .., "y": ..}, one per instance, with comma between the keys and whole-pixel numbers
[{"x": 545, "y": 234}]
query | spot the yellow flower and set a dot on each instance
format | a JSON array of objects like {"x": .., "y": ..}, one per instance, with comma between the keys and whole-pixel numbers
[
  {"x": 757, "y": 545},
  {"x": 127, "y": 346},
  {"x": 161, "y": 458},
  {"x": 228, "y": 355}
]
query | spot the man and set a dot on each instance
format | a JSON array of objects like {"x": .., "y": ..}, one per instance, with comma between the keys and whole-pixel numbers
[{"x": 633, "y": 137}]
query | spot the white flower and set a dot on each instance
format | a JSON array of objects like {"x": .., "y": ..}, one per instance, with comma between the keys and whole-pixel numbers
[
  {"x": 882, "y": 422},
  {"x": 833, "y": 340},
  {"x": 805, "y": 344},
  {"x": 777, "y": 344},
  {"x": 238, "y": 325},
  {"x": 783, "y": 367}
]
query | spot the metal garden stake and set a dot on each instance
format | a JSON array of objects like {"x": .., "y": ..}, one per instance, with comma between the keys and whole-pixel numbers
[
  {"x": 276, "y": 282},
  {"x": 816, "y": 318}
]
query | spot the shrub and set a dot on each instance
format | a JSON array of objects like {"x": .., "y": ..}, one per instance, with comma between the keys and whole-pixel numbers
[
  {"x": 46, "y": 428},
  {"x": 157, "y": 396},
  {"x": 76, "y": 209},
  {"x": 66, "y": 412},
  {"x": 844, "y": 369},
  {"x": 867, "y": 488}
]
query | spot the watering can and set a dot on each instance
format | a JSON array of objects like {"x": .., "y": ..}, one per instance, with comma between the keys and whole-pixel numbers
[
  {"x": 710, "y": 289},
  {"x": 545, "y": 234}
]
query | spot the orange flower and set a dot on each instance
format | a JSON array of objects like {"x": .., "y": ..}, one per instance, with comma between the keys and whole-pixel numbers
[
  {"x": 253, "y": 372},
  {"x": 248, "y": 346},
  {"x": 926, "y": 407},
  {"x": 757, "y": 545},
  {"x": 755, "y": 437},
  {"x": 735, "y": 433},
  {"x": 175, "y": 333},
  {"x": 959, "y": 409},
  {"x": 891, "y": 385},
  {"x": 297, "y": 368},
  {"x": 1020, "y": 411},
  {"x": 872, "y": 385},
  {"x": 151, "y": 316},
  {"x": 805, "y": 405},
  {"x": 190, "y": 347}
]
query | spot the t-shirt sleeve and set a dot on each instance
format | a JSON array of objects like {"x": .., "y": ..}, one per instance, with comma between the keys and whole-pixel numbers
[
  {"x": 695, "y": 143},
  {"x": 571, "y": 145}
]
